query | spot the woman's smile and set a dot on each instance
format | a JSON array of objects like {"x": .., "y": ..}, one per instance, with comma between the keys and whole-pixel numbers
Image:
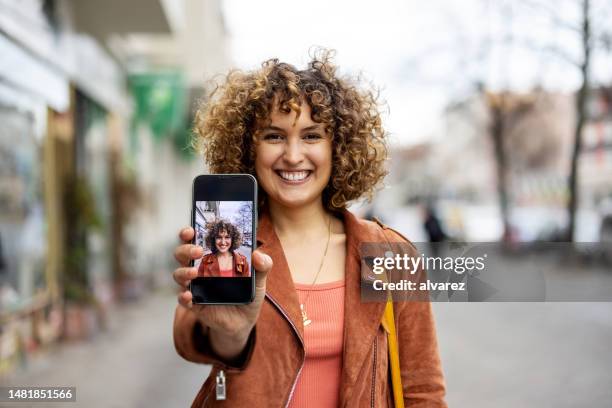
[{"x": 294, "y": 177}]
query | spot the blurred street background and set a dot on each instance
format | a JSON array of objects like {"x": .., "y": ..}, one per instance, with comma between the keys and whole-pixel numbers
[{"x": 500, "y": 122}]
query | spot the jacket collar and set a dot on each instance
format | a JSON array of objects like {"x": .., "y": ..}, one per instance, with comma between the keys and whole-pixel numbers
[{"x": 361, "y": 324}]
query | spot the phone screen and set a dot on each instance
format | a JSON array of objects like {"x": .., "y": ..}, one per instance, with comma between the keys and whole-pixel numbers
[{"x": 224, "y": 220}]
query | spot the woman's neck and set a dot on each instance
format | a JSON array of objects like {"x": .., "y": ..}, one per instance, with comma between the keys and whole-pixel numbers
[
  {"x": 306, "y": 222},
  {"x": 227, "y": 254}
]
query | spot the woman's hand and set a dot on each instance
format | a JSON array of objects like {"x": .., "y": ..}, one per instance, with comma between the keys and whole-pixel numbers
[{"x": 228, "y": 327}]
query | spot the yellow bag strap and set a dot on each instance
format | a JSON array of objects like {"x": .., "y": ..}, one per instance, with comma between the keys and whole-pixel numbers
[{"x": 388, "y": 323}]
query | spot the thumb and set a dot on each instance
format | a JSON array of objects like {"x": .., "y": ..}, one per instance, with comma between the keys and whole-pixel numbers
[{"x": 262, "y": 264}]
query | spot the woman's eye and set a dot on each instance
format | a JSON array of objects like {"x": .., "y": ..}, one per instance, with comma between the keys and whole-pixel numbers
[
  {"x": 312, "y": 136},
  {"x": 272, "y": 137}
]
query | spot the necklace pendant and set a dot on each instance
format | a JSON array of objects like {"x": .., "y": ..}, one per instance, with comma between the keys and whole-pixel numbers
[{"x": 305, "y": 318}]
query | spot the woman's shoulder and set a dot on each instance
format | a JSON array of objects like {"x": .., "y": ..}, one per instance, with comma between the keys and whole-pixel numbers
[
  {"x": 208, "y": 257},
  {"x": 394, "y": 234},
  {"x": 239, "y": 257},
  {"x": 375, "y": 226}
]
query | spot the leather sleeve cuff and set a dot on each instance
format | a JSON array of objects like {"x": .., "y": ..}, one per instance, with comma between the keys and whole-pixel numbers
[
  {"x": 191, "y": 342},
  {"x": 202, "y": 346}
]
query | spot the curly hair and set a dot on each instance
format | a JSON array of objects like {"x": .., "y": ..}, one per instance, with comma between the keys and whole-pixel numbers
[
  {"x": 214, "y": 229},
  {"x": 228, "y": 124}
]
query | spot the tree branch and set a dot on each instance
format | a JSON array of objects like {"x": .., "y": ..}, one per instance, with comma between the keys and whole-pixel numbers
[{"x": 552, "y": 15}]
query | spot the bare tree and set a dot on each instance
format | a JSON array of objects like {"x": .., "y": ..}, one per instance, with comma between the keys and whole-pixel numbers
[
  {"x": 591, "y": 37},
  {"x": 506, "y": 110},
  {"x": 581, "y": 100},
  {"x": 243, "y": 219}
]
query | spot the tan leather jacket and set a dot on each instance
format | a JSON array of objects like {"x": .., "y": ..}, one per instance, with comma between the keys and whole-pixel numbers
[
  {"x": 275, "y": 351},
  {"x": 210, "y": 265}
]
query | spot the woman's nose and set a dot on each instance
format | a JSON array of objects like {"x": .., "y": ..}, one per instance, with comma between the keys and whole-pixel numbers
[{"x": 293, "y": 152}]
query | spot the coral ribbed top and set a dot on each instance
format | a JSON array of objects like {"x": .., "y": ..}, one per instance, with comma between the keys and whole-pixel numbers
[
  {"x": 319, "y": 381},
  {"x": 226, "y": 273}
]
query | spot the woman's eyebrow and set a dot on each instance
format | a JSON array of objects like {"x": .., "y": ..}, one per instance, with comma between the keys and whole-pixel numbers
[
  {"x": 313, "y": 127},
  {"x": 272, "y": 127},
  {"x": 306, "y": 129}
]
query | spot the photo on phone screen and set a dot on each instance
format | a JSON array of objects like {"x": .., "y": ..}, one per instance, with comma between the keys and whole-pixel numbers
[
  {"x": 225, "y": 230},
  {"x": 224, "y": 217}
]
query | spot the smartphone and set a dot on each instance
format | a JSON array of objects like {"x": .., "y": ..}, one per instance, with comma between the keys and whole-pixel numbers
[{"x": 224, "y": 217}]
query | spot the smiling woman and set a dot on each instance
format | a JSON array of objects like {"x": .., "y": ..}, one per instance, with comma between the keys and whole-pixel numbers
[
  {"x": 223, "y": 239},
  {"x": 315, "y": 142}
]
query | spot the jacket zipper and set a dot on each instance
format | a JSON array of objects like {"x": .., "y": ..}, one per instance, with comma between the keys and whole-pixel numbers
[
  {"x": 220, "y": 386},
  {"x": 280, "y": 309},
  {"x": 374, "y": 370}
]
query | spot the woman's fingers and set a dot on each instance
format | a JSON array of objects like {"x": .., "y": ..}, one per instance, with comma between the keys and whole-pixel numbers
[
  {"x": 182, "y": 276},
  {"x": 262, "y": 264},
  {"x": 184, "y": 254},
  {"x": 186, "y": 235},
  {"x": 185, "y": 298}
]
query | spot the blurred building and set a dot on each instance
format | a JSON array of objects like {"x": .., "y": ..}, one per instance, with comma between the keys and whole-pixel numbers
[
  {"x": 596, "y": 161},
  {"x": 96, "y": 104},
  {"x": 459, "y": 164}
]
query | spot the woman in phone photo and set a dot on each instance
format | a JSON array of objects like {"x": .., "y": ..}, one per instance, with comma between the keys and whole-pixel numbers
[
  {"x": 315, "y": 142},
  {"x": 223, "y": 239}
]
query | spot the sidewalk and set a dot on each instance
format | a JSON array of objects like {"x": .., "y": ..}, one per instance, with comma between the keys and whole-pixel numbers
[
  {"x": 133, "y": 364},
  {"x": 493, "y": 354},
  {"x": 528, "y": 355}
]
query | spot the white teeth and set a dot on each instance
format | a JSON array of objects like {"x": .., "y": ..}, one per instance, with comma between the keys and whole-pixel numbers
[{"x": 293, "y": 175}]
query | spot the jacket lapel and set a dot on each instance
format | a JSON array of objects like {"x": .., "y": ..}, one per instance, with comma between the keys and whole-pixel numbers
[
  {"x": 213, "y": 264},
  {"x": 279, "y": 284}
]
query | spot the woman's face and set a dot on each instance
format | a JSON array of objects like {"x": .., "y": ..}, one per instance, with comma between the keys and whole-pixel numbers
[
  {"x": 293, "y": 159},
  {"x": 223, "y": 241}
]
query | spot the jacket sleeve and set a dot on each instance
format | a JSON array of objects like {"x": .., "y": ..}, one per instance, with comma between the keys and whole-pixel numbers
[
  {"x": 421, "y": 369},
  {"x": 201, "y": 268},
  {"x": 192, "y": 344},
  {"x": 247, "y": 266}
]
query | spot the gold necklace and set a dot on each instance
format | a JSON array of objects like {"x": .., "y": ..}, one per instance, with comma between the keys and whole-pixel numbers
[{"x": 305, "y": 318}]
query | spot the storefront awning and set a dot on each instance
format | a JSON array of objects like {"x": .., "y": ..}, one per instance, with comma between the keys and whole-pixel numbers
[{"x": 103, "y": 18}]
